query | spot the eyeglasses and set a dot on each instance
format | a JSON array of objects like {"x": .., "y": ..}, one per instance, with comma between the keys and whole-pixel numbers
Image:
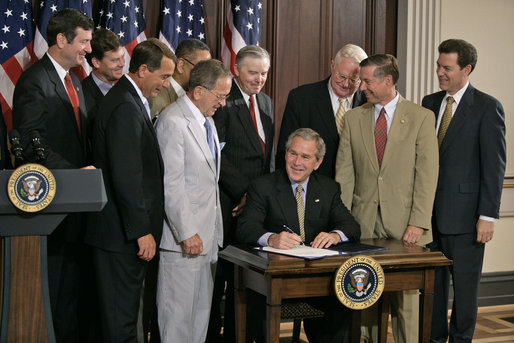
[
  {"x": 188, "y": 61},
  {"x": 341, "y": 78},
  {"x": 220, "y": 97}
]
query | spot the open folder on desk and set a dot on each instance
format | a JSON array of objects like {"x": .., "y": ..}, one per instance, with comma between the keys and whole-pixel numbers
[{"x": 309, "y": 253}]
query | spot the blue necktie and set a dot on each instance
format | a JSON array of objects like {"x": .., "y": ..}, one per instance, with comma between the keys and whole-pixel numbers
[{"x": 210, "y": 139}]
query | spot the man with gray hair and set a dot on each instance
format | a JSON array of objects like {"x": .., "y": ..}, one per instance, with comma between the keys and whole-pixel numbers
[
  {"x": 321, "y": 105},
  {"x": 295, "y": 205},
  {"x": 194, "y": 230},
  {"x": 189, "y": 52},
  {"x": 246, "y": 126}
]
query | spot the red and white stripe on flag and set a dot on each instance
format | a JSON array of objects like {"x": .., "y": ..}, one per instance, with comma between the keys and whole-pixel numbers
[
  {"x": 9, "y": 74},
  {"x": 243, "y": 27}
]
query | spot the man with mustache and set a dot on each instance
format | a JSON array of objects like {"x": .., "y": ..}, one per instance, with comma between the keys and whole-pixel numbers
[
  {"x": 387, "y": 167},
  {"x": 193, "y": 231},
  {"x": 189, "y": 52}
]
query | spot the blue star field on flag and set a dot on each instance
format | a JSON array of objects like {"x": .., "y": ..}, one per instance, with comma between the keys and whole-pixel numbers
[
  {"x": 182, "y": 19},
  {"x": 123, "y": 17},
  {"x": 49, "y": 7}
]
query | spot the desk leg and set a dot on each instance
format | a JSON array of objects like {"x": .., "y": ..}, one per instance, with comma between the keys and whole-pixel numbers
[
  {"x": 273, "y": 306},
  {"x": 383, "y": 317},
  {"x": 426, "y": 303},
  {"x": 240, "y": 305}
]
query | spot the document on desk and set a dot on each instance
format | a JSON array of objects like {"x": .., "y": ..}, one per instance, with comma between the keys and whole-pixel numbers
[{"x": 303, "y": 251}]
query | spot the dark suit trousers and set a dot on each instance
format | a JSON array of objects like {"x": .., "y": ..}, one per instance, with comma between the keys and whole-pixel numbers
[
  {"x": 467, "y": 256},
  {"x": 63, "y": 285},
  {"x": 120, "y": 279}
]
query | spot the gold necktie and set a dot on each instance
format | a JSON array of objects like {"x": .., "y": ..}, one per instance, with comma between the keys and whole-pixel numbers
[
  {"x": 301, "y": 211},
  {"x": 340, "y": 115},
  {"x": 445, "y": 120}
]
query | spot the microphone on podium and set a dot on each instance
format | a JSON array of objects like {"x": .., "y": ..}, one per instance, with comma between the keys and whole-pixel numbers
[
  {"x": 37, "y": 147},
  {"x": 16, "y": 147}
]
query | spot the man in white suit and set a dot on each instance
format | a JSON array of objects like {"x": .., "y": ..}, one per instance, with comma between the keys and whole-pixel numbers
[{"x": 193, "y": 230}]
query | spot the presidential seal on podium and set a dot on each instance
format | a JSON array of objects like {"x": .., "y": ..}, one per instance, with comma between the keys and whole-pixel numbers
[
  {"x": 31, "y": 187},
  {"x": 359, "y": 282}
]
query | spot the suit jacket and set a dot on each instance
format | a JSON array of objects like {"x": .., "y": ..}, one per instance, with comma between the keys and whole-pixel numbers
[
  {"x": 404, "y": 185},
  {"x": 310, "y": 106},
  {"x": 126, "y": 149},
  {"x": 242, "y": 158},
  {"x": 93, "y": 95},
  {"x": 471, "y": 162},
  {"x": 41, "y": 104},
  {"x": 191, "y": 179},
  {"x": 165, "y": 97},
  {"x": 272, "y": 204}
]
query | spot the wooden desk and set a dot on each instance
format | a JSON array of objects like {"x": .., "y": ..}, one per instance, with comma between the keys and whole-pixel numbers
[{"x": 282, "y": 277}]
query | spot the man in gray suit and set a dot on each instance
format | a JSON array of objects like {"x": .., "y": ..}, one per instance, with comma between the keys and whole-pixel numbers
[
  {"x": 194, "y": 230},
  {"x": 245, "y": 124}
]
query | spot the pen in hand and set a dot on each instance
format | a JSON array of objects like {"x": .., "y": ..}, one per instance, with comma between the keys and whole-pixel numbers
[{"x": 291, "y": 231}]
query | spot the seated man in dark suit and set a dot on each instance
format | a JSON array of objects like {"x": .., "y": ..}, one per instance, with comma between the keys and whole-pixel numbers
[{"x": 310, "y": 206}]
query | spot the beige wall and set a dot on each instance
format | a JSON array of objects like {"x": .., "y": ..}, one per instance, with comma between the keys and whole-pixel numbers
[{"x": 489, "y": 25}]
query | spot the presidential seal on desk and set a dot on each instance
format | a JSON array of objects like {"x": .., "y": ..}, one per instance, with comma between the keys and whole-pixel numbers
[
  {"x": 359, "y": 282},
  {"x": 31, "y": 187}
]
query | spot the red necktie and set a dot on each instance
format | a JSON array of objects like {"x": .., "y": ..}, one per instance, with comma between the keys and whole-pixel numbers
[
  {"x": 74, "y": 99},
  {"x": 380, "y": 135},
  {"x": 251, "y": 107}
]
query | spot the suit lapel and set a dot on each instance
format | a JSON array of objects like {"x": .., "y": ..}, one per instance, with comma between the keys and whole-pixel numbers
[
  {"x": 142, "y": 110},
  {"x": 267, "y": 124},
  {"x": 367, "y": 124},
  {"x": 312, "y": 199},
  {"x": 243, "y": 113},
  {"x": 60, "y": 90},
  {"x": 400, "y": 116},
  {"x": 198, "y": 132},
  {"x": 458, "y": 119},
  {"x": 324, "y": 104},
  {"x": 287, "y": 202}
]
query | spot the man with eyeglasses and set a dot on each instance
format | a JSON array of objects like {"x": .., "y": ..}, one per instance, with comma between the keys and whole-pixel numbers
[
  {"x": 322, "y": 105},
  {"x": 189, "y": 52},
  {"x": 387, "y": 168},
  {"x": 246, "y": 126},
  {"x": 193, "y": 230}
]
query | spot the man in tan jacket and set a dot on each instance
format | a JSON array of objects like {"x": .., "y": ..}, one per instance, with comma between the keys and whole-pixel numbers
[{"x": 387, "y": 166}]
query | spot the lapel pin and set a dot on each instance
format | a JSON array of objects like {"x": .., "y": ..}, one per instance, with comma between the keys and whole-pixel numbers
[
  {"x": 316, "y": 200},
  {"x": 402, "y": 121}
]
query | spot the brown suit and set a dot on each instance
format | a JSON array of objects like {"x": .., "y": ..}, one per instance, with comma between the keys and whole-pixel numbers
[
  {"x": 400, "y": 192},
  {"x": 165, "y": 97}
]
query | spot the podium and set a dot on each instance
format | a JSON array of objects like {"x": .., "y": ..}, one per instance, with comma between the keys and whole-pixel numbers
[{"x": 25, "y": 303}]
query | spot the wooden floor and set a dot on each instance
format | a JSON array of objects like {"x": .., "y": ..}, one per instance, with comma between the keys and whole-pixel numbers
[{"x": 495, "y": 324}]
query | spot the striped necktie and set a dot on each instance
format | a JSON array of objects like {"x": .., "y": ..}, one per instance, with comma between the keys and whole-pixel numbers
[
  {"x": 445, "y": 120},
  {"x": 340, "y": 115}
]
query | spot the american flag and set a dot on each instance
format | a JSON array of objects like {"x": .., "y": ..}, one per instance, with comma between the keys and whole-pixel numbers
[
  {"x": 181, "y": 19},
  {"x": 16, "y": 49},
  {"x": 49, "y": 7},
  {"x": 243, "y": 27},
  {"x": 126, "y": 19}
]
